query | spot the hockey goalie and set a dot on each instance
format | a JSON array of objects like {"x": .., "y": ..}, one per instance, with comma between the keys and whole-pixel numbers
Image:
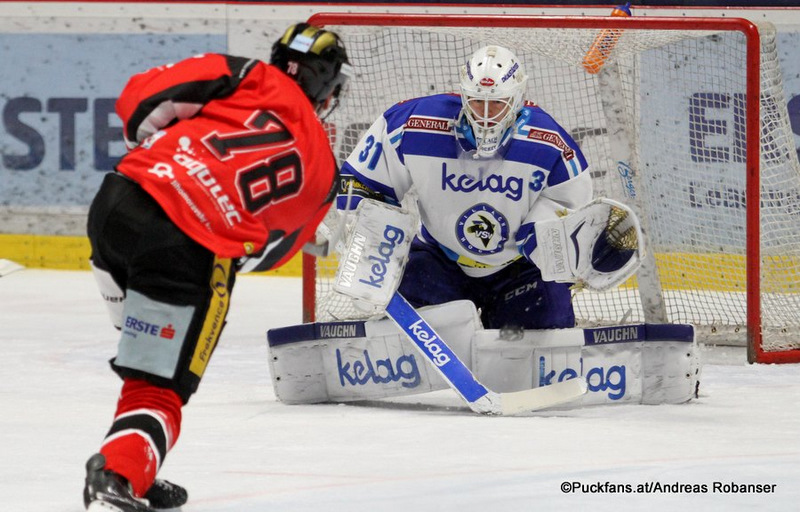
[{"x": 507, "y": 230}]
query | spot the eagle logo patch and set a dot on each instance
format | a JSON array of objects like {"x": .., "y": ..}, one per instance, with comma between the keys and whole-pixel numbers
[{"x": 482, "y": 230}]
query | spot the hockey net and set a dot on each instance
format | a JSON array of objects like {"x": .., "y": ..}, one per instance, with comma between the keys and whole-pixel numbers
[{"x": 671, "y": 125}]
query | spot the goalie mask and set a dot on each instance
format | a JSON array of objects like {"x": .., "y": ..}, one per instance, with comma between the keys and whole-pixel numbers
[
  {"x": 492, "y": 85},
  {"x": 316, "y": 59}
]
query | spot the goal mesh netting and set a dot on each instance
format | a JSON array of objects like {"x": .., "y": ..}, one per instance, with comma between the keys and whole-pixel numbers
[{"x": 673, "y": 105}]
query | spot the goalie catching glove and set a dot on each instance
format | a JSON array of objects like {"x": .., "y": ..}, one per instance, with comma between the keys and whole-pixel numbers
[{"x": 598, "y": 246}]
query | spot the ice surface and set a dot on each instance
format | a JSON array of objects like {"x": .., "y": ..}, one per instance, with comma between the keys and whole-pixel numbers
[{"x": 241, "y": 450}]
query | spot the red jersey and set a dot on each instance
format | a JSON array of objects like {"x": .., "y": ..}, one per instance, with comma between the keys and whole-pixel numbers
[{"x": 233, "y": 152}]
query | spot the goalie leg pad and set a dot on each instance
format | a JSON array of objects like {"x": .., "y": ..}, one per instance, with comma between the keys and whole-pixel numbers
[
  {"x": 363, "y": 360},
  {"x": 638, "y": 363}
]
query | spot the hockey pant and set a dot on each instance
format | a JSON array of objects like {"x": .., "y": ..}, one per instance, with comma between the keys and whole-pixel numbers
[{"x": 514, "y": 297}]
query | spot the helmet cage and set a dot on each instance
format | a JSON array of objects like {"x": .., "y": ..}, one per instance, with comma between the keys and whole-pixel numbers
[{"x": 492, "y": 88}]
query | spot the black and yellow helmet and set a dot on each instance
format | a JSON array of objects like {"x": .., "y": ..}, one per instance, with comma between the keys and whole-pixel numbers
[{"x": 315, "y": 59}]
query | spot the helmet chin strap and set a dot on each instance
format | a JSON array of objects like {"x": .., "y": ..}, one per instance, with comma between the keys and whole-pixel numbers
[{"x": 326, "y": 108}]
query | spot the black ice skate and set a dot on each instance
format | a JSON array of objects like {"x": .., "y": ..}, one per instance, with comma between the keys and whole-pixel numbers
[
  {"x": 106, "y": 491},
  {"x": 163, "y": 494}
]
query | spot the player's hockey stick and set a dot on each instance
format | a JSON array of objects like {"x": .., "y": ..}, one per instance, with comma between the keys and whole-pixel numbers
[
  {"x": 8, "y": 266},
  {"x": 461, "y": 379}
]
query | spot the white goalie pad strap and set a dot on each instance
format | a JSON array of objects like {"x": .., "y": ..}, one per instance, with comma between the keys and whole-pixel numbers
[
  {"x": 376, "y": 251},
  {"x": 599, "y": 245},
  {"x": 363, "y": 360},
  {"x": 638, "y": 363}
]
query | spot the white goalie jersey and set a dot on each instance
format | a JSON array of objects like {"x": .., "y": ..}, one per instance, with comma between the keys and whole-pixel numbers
[{"x": 479, "y": 211}]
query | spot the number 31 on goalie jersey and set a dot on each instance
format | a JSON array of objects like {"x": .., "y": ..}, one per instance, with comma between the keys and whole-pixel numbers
[{"x": 370, "y": 144}]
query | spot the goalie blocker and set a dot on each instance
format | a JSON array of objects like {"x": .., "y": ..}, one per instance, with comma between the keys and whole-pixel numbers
[
  {"x": 367, "y": 360},
  {"x": 376, "y": 252}
]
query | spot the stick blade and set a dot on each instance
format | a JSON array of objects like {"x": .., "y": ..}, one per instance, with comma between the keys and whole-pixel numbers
[
  {"x": 544, "y": 397},
  {"x": 8, "y": 266}
]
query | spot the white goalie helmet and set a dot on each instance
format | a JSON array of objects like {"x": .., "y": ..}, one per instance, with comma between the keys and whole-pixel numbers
[{"x": 492, "y": 88}]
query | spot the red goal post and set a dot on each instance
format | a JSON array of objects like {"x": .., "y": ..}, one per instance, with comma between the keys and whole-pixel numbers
[{"x": 654, "y": 295}]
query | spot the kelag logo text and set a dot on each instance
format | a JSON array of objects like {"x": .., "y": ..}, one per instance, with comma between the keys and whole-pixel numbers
[
  {"x": 381, "y": 371},
  {"x": 598, "y": 379}
]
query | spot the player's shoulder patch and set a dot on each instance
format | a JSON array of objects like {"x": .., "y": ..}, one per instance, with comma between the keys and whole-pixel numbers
[
  {"x": 426, "y": 114},
  {"x": 425, "y": 123},
  {"x": 537, "y": 126},
  {"x": 551, "y": 138}
]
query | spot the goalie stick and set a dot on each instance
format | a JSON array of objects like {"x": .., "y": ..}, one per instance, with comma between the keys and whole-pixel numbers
[{"x": 461, "y": 379}]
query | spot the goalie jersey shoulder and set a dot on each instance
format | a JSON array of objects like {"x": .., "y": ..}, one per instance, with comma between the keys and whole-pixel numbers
[
  {"x": 419, "y": 127},
  {"x": 424, "y": 126},
  {"x": 409, "y": 113},
  {"x": 539, "y": 140}
]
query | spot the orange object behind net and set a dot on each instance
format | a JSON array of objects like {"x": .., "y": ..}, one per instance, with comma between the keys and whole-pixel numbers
[{"x": 604, "y": 43}]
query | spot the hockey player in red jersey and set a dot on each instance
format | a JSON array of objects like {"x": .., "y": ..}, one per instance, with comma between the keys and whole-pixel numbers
[{"x": 229, "y": 170}]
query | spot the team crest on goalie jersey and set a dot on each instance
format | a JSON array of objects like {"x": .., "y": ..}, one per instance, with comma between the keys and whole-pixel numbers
[{"x": 482, "y": 230}]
